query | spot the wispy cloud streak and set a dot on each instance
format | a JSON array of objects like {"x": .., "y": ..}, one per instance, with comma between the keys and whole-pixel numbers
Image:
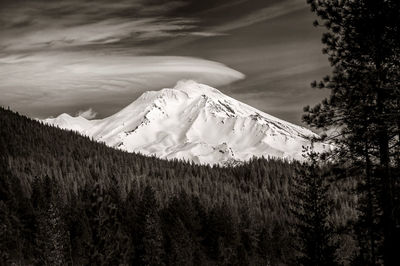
[{"x": 88, "y": 114}]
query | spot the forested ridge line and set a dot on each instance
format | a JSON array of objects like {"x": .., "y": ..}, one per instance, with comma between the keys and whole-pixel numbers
[{"x": 68, "y": 199}]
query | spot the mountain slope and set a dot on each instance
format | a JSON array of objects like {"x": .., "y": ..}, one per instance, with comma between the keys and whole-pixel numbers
[{"x": 194, "y": 122}]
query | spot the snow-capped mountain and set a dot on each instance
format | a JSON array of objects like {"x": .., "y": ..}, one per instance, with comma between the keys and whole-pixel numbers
[{"x": 194, "y": 122}]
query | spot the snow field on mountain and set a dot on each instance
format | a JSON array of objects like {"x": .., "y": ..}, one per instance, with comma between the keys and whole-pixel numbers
[{"x": 194, "y": 122}]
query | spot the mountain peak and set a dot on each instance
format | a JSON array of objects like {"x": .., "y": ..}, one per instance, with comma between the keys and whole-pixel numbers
[
  {"x": 192, "y": 87},
  {"x": 66, "y": 121},
  {"x": 196, "y": 122},
  {"x": 182, "y": 91}
]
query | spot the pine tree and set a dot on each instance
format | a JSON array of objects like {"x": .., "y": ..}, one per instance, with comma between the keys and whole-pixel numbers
[
  {"x": 221, "y": 235},
  {"x": 149, "y": 238},
  {"x": 249, "y": 238},
  {"x": 181, "y": 246},
  {"x": 181, "y": 227},
  {"x": 7, "y": 219},
  {"x": 363, "y": 110},
  {"x": 129, "y": 222},
  {"x": 56, "y": 237},
  {"x": 108, "y": 244},
  {"x": 95, "y": 243},
  {"x": 153, "y": 250},
  {"x": 115, "y": 240},
  {"x": 52, "y": 237},
  {"x": 311, "y": 208},
  {"x": 77, "y": 226},
  {"x": 6, "y": 234}
]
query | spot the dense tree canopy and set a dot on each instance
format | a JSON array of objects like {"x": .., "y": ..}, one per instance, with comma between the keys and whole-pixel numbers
[{"x": 66, "y": 198}]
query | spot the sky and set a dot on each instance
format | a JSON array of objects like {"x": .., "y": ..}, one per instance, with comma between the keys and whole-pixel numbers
[{"x": 94, "y": 57}]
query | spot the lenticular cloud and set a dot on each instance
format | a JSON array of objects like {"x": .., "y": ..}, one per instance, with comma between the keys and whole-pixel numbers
[{"x": 49, "y": 80}]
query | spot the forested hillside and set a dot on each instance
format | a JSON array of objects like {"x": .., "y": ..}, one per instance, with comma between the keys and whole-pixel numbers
[{"x": 65, "y": 199}]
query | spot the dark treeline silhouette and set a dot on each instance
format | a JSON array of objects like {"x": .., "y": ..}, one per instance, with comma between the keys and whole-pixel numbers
[
  {"x": 362, "y": 115},
  {"x": 65, "y": 199},
  {"x": 314, "y": 231}
]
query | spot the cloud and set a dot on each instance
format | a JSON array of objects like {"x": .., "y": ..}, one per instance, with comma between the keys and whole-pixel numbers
[
  {"x": 51, "y": 80},
  {"x": 270, "y": 12},
  {"x": 43, "y": 25},
  {"x": 207, "y": 33},
  {"x": 102, "y": 32},
  {"x": 31, "y": 25},
  {"x": 88, "y": 114}
]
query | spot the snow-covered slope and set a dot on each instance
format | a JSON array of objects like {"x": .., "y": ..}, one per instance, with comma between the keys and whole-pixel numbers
[{"x": 195, "y": 122}]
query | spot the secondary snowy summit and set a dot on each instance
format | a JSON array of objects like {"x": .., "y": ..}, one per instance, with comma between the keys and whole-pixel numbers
[{"x": 194, "y": 122}]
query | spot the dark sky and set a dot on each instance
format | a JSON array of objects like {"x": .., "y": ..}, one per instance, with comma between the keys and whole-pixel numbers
[{"x": 74, "y": 55}]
